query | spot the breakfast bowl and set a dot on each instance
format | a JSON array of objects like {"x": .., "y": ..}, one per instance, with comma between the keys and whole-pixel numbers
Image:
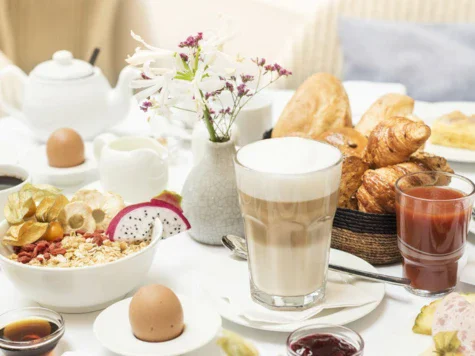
[{"x": 79, "y": 289}]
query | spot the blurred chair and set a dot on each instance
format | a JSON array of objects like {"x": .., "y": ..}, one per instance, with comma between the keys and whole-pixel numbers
[{"x": 317, "y": 49}]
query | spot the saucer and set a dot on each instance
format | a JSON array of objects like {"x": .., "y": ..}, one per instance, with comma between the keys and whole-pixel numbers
[
  {"x": 336, "y": 316},
  {"x": 112, "y": 329},
  {"x": 37, "y": 161}
]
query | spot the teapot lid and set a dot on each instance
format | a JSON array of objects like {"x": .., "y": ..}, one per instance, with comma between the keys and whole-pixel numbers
[{"x": 63, "y": 67}]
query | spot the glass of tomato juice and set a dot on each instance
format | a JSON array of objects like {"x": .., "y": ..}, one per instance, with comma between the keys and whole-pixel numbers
[{"x": 433, "y": 214}]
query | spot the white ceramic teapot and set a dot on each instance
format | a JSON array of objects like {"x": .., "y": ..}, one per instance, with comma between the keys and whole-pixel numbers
[{"x": 68, "y": 92}]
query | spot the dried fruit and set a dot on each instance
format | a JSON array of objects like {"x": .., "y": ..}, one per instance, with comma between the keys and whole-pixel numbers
[
  {"x": 19, "y": 207},
  {"x": 28, "y": 233},
  {"x": 40, "y": 191},
  {"x": 77, "y": 216},
  {"x": 104, "y": 206},
  {"x": 54, "y": 231},
  {"x": 50, "y": 207}
]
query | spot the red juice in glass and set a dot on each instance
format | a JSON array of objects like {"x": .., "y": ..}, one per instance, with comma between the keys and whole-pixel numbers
[{"x": 433, "y": 214}]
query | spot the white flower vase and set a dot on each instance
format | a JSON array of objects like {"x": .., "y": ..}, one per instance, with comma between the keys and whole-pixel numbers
[{"x": 210, "y": 196}]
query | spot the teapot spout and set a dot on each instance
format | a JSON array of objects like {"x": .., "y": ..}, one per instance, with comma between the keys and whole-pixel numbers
[{"x": 119, "y": 100}]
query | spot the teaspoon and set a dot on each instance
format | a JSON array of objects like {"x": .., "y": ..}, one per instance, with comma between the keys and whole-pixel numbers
[{"x": 238, "y": 246}]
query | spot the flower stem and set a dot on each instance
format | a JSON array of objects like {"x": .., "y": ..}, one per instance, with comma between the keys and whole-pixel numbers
[{"x": 209, "y": 125}]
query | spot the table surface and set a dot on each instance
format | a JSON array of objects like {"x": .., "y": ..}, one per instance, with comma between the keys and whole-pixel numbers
[{"x": 387, "y": 330}]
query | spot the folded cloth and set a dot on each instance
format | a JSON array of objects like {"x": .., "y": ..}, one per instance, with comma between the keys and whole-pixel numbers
[
  {"x": 362, "y": 94},
  {"x": 230, "y": 283}
]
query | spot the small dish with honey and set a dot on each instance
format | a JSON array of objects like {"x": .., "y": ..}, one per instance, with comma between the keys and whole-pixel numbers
[{"x": 32, "y": 331}]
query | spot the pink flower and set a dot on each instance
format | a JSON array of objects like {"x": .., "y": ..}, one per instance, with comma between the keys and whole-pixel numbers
[
  {"x": 192, "y": 41},
  {"x": 247, "y": 78},
  {"x": 184, "y": 57},
  {"x": 225, "y": 111},
  {"x": 145, "y": 105},
  {"x": 229, "y": 86},
  {"x": 242, "y": 89}
]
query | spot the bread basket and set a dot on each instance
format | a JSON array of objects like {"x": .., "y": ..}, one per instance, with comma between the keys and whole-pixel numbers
[{"x": 372, "y": 237}]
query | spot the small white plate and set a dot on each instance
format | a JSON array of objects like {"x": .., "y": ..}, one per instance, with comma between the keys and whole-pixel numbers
[
  {"x": 339, "y": 316},
  {"x": 113, "y": 331},
  {"x": 37, "y": 161}
]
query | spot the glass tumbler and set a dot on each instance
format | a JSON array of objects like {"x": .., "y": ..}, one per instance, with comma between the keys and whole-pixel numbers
[
  {"x": 288, "y": 194},
  {"x": 433, "y": 214}
]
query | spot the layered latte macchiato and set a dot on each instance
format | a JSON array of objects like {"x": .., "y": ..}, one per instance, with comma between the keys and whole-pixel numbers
[{"x": 288, "y": 190}]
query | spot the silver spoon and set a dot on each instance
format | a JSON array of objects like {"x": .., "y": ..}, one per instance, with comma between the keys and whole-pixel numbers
[{"x": 238, "y": 246}]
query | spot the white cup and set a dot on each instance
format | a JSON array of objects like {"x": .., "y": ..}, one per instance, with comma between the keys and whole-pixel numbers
[
  {"x": 12, "y": 171},
  {"x": 254, "y": 119},
  {"x": 134, "y": 167}
]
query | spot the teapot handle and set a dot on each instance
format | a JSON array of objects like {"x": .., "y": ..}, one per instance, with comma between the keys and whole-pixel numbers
[
  {"x": 101, "y": 141},
  {"x": 12, "y": 71}
]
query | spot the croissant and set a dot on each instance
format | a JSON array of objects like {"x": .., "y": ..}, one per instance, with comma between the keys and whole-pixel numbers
[
  {"x": 319, "y": 104},
  {"x": 387, "y": 106},
  {"x": 353, "y": 168},
  {"x": 377, "y": 193},
  {"x": 394, "y": 140},
  {"x": 349, "y": 141},
  {"x": 433, "y": 163}
]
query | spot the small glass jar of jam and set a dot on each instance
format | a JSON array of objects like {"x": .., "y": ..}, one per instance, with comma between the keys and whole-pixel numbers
[
  {"x": 30, "y": 331},
  {"x": 324, "y": 340}
]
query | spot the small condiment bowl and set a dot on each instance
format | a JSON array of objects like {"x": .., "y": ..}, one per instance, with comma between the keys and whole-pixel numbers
[
  {"x": 340, "y": 332},
  {"x": 36, "y": 347}
]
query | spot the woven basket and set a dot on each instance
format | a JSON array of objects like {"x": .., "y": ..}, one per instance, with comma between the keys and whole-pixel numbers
[{"x": 373, "y": 237}]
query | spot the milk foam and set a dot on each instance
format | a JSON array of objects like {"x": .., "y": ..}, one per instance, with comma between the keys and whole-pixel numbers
[{"x": 289, "y": 169}]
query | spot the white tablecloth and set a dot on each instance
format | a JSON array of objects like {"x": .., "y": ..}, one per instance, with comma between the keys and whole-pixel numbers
[{"x": 386, "y": 331}]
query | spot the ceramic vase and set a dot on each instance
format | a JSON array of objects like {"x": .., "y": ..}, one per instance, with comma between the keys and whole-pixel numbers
[{"x": 210, "y": 196}]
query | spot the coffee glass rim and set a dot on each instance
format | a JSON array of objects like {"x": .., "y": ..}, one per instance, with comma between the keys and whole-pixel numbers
[
  {"x": 452, "y": 175},
  {"x": 18, "y": 167},
  {"x": 340, "y": 159}
]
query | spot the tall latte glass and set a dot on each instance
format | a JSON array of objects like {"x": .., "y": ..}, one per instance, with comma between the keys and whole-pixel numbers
[{"x": 288, "y": 192}]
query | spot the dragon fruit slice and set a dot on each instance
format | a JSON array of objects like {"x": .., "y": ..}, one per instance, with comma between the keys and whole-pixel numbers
[
  {"x": 135, "y": 222},
  {"x": 170, "y": 197}
]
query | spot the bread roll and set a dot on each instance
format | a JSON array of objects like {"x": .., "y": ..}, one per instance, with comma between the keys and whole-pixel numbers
[
  {"x": 387, "y": 106},
  {"x": 319, "y": 104},
  {"x": 349, "y": 141}
]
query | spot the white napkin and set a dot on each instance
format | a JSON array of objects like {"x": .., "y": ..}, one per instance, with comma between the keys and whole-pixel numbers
[{"x": 227, "y": 279}]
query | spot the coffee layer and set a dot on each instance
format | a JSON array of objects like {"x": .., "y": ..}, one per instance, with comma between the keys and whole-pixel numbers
[{"x": 288, "y": 243}]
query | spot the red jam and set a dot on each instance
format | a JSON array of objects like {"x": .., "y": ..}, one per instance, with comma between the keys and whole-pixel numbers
[{"x": 322, "y": 345}]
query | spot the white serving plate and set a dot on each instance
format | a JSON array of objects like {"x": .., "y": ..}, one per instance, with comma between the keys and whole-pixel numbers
[
  {"x": 429, "y": 112},
  {"x": 452, "y": 154},
  {"x": 339, "y": 316},
  {"x": 112, "y": 329},
  {"x": 37, "y": 162}
]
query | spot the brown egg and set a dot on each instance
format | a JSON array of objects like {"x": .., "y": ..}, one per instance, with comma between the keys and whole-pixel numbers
[
  {"x": 156, "y": 314},
  {"x": 65, "y": 148}
]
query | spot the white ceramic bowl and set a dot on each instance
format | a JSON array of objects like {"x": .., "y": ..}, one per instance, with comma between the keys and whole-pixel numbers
[{"x": 79, "y": 289}]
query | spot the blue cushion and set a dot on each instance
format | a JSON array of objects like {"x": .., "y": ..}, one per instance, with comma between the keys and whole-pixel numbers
[{"x": 436, "y": 62}]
